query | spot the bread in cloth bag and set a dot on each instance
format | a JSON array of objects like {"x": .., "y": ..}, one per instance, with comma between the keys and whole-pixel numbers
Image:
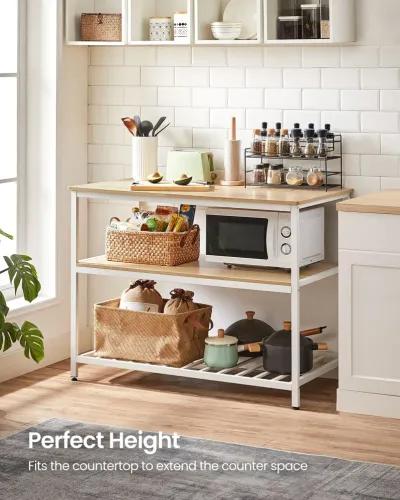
[
  {"x": 181, "y": 301},
  {"x": 142, "y": 296}
]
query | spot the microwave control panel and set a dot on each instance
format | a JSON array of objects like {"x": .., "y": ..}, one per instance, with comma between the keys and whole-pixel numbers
[{"x": 284, "y": 236}]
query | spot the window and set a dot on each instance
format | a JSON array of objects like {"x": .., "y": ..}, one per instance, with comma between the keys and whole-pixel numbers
[{"x": 11, "y": 126}]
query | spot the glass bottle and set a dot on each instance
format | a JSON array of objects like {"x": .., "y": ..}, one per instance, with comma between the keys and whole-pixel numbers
[
  {"x": 264, "y": 142},
  {"x": 272, "y": 146},
  {"x": 322, "y": 150},
  {"x": 257, "y": 144},
  {"x": 274, "y": 176},
  {"x": 260, "y": 175},
  {"x": 284, "y": 143},
  {"x": 295, "y": 177},
  {"x": 295, "y": 149},
  {"x": 309, "y": 148},
  {"x": 315, "y": 177},
  {"x": 330, "y": 135}
]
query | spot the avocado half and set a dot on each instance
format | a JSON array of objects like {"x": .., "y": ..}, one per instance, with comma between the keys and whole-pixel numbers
[
  {"x": 184, "y": 180},
  {"x": 155, "y": 178}
]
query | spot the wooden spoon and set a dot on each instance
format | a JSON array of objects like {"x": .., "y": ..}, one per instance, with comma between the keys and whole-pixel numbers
[{"x": 130, "y": 125}]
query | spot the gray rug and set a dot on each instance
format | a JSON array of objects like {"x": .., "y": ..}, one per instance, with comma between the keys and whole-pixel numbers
[{"x": 326, "y": 478}]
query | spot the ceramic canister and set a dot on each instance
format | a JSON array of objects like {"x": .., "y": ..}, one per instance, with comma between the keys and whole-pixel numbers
[
  {"x": 181, "y": 26},
  {"x": 160, "y": 29},
  {"x": 144, "y": 157}
]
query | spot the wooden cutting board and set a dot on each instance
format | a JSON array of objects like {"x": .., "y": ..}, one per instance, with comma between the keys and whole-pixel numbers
[{"x": 147, "y": 186}]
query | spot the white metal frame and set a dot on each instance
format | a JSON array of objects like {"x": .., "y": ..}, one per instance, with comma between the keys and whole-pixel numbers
[{"x": 249, "y": 371}]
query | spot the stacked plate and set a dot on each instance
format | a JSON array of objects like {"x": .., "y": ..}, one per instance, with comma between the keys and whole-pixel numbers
[{"x": 226, "y": 31}]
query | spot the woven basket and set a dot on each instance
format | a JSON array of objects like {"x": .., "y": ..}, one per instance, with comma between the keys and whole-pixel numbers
[
  {"x": 146, "y": 337},
  {"x": 101, "y": 27},
  {"x": 162, "y": 249}
]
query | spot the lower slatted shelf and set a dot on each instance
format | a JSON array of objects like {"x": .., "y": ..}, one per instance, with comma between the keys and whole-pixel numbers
[{"x": 249, "y": 371}]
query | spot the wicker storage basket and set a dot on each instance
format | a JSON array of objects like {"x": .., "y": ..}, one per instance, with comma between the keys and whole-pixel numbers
[
  {"x": 163, "y": 249},
  {"x": 101, "y": 27},
  {"x": 146, "y": 337}
]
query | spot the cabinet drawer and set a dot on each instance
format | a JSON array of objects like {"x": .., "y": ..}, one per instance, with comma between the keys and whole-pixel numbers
[
  {"x": 369, "y": 232},
  {"x": 369, "y": 322}
]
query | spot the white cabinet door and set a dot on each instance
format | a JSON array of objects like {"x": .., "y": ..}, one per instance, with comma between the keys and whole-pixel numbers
[{"x": 369, "y": 322}]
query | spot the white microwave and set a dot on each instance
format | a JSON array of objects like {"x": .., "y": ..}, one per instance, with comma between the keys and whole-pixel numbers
[{"x": 258, "y": 238}]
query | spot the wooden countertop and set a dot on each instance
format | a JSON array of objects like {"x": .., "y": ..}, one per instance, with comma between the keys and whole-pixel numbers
[
  {"x": 220, "y": 193},
  {"x": 384, "y": 202}
]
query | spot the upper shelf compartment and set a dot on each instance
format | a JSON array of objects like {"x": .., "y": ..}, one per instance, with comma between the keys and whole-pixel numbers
[
  {"x": 159, "y": 22},
  {"x": 304, "y": 22},
  {"x": 239, "y": 22},
  {"x": 109, "y": 27}
]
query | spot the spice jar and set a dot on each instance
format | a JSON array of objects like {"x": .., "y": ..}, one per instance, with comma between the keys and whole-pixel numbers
[
  {"x": 284, "y": 143},
  {"x": 311, "y": 20},
  {"x": 259, "y": 174},
  {"x": 322, "y": 150},
  {"x": 296, "y": 150},
  {"x": 257, "y": 143},
  {"x": 289, "y": 28},
  {"x": 325, "y": 19},
  {"x": 315, "y": 177},
  {"x": 272, "y": 144},
  {"x": 274, "y": 176},
  {"x": 309, "y": 148},
  {"x": 295, "y": 177}
]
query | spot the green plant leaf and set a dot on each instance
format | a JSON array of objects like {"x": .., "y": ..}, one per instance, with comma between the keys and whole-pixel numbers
[
  {"x": 31, "y": 339},
  {"x": 8, "y": 336},
  {"x": 6, "y": 235},
  {"x": 22, "y": 272}
]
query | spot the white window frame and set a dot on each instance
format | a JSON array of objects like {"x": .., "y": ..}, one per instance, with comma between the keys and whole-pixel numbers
[{"x": 20, "y": 75}]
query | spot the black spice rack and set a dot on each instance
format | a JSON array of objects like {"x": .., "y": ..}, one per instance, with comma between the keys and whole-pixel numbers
[{"x": 333, "y": 178}]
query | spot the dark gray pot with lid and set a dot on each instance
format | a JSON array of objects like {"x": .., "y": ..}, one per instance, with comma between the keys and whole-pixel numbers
[{"x": 250, "y": 330}]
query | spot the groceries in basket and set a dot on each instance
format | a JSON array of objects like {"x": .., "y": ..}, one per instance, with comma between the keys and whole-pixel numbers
[
  {"x": 181, "y": 301},
  {"x": 142, "y": 296}
]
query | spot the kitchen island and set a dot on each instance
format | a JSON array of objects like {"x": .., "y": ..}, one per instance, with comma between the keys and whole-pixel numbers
[{"x": 249, "y": 371}]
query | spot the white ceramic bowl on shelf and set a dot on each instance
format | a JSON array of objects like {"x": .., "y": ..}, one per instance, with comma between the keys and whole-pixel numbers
[{"x": 226, "y": 31}]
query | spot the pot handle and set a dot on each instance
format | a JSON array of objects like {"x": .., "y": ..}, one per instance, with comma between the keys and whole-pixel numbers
[
  {"x": 255, "y": 347},
  {"x": 321, "y": 346}
]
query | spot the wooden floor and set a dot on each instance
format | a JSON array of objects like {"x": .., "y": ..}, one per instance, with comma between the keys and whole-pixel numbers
[{"x": 216, "y": 411}]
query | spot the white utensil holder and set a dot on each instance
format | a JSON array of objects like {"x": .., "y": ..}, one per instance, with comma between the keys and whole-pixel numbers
[{"x": 144, "y": 157}]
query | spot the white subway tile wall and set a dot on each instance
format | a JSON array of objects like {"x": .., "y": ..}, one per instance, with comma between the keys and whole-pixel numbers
[{"x": 199, "y": 89}]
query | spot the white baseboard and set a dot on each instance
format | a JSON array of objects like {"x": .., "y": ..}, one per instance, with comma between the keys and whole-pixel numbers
[
  {"x": 365, "y": 403},
  {"x": 13, "y": 363}
]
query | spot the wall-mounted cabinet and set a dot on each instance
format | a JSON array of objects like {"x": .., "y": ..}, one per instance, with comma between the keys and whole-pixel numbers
[
  {"x": 169, "y": 21},
  {"x": 73, "y": 9},
  {"x": 304, "y": 22},
  {"x": 238, "y": 22},
  {"x": 245, "y": 16}
]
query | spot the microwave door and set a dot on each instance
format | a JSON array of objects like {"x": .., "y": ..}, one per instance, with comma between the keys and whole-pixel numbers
[{"x": 237, "y": 238}]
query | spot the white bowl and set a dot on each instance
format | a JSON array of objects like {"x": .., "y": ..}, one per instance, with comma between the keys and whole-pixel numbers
[{"x": 226, "y": 32}]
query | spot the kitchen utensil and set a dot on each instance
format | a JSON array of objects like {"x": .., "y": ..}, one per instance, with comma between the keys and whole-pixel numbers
[
  {"x": 138, "y": 122},
  {"x": 158, "y": 124},
  {"x": 250, "y": 330},
  {"x": 277, "y": 352},
  {"x": 162, "y": 130},
  {"x": 223, "y": 352},
  {"x": 245, "y": 12},
  {"x": 232, "y": 159},
  {"x": 130, "y": 125},
  {"x": 196, "y": 164},
  {"x": 163, "y": 186},
  {"x": 226, "y": 31},
  {"x": 146, "y": 127},
  {"x": 287, "y": 326}
]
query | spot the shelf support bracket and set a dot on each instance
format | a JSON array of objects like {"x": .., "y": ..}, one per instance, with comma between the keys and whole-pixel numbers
[{"x": 295, "y": 305}]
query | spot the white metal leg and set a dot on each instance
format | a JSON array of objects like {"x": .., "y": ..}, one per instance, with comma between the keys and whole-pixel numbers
[
  {"x": 295, "y": 307},
  {"x": 74, "y": 286}
]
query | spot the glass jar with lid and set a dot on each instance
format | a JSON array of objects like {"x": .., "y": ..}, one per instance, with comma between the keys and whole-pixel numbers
[
  {"x": 310, "y": 13},
  {"x": 257, "y": 143},
  {"x": 284, "y": 143},
  {"x": 295, "y": 177},
  {"x": 274, "y": 176},
  {"x": 289, "y": 28},
  {"x": 295, "y": 149},
  {"x": 310, "y": 150},
  {"x": 315, "y": 177},
  {"x": 322, "y": 150},
  {"x": 260, "y": 176},
  {"x": 272, "y": 144}
]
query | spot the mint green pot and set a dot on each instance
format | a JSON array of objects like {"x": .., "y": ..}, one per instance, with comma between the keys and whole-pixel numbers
[{"x": 221, "y": 352}]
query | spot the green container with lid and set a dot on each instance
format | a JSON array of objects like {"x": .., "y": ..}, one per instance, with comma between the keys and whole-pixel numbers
[{"x": 221, "y": 352}]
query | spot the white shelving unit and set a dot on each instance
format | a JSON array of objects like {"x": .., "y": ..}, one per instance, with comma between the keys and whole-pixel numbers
[
  {"x": 72, "y": 16},
  {"x": 136, "y": 14},
  {"x": 139, "y": 12},
  {"x": 342, "y": 24},
  {"x": 208, "y": 11},
  {"x": 248, "y": 371}
]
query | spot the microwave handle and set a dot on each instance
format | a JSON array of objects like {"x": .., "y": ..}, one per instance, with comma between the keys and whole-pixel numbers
[{"x": 272, "y": 235}]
